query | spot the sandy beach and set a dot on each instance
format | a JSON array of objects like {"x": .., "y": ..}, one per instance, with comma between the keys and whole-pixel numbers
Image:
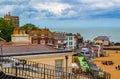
[{"x": 112, "y": 56}]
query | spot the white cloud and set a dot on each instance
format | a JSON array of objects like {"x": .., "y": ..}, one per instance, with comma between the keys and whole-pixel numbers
[
  {"x": 70, "y": 13},
  {"x": 98, "y": 1},
  {"x": 6, "y": 9},
  {"x": 101, "y": 4},
  {"x": 97, "y": 7},
  {"x": 53, "y": 7},
  {"x": 57, "y": 8}
]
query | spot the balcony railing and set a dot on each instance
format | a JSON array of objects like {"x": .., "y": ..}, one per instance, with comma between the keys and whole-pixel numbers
[{"x": 33, "y": 70}]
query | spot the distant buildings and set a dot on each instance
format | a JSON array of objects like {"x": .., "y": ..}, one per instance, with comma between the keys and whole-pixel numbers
[
  {"x": 79, "y": 40},
  {"x": 20, "y": 37},
  {"x": 60, "y": 41},
  {"x": 70, "y": 41},
  {"x": 101, "y": 40},
  {"x": 13, "y": 19},
  {"x": 42, "y": 36},
  {"x": 46, "y": 37}
]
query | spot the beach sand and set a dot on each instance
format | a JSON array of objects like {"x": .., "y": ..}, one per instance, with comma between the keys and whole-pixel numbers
[{"x": 112, "y": 56}]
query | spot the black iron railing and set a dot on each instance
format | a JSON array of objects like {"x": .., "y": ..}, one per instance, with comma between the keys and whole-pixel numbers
[{"x": 33, "y": 70}]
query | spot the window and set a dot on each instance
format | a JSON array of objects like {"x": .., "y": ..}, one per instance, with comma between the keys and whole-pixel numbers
[
  {"x": 49, "y": 41},
  {"x": 70, "y": 38},
  {"x": 42, "y": 35},
  {"x": 35, "y": 41},
  {"x": 70, "y": 43},
  {"x": 42, "y": 42},
  {"x": 59, "y": 64},
  {"x": 66, "y": 38},
  {"x": 66, "y": 43}
]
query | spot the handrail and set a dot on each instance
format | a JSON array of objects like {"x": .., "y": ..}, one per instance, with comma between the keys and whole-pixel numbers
[{"x": 33, "y": 67}]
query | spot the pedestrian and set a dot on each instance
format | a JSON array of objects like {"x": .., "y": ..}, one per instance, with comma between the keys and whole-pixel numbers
[{"x": 116, "y": 67}]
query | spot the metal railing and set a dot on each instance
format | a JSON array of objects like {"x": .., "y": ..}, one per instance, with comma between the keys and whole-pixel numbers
[{"x": 33, "y": 70}]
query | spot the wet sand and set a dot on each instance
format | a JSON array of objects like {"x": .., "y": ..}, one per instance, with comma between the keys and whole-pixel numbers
[{"x": 112, "y": 56}]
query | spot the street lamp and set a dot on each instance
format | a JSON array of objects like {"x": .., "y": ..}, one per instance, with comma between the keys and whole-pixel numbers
[{"x": 66, "y": 57}]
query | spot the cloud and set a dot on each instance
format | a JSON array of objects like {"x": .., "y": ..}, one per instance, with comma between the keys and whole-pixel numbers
[
  {"x": 6, "y": 9},
  {"x": 101, "y": 4},
  {"x": 58, "y": 9},
  {"x": 52, "y": 7}
]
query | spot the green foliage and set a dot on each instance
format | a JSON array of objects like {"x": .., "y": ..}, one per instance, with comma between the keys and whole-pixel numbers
[
  {"x": 84, "y": 60},
  {"x": 88, "y": 70},
  {"x": 28, "y": 27},
  {"x": 6, "y": 29},
  {"x": 80, "y": 55}
]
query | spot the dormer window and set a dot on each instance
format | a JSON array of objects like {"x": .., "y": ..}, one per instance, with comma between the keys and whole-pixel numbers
[
  {"x": 35, "y": 36},
  {"x": 42, "y": 35}
]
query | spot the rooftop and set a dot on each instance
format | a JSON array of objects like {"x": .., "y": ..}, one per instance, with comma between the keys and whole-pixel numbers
[
  {"x": 15, "y": 50},
  {"x": 102, "y": 38}
]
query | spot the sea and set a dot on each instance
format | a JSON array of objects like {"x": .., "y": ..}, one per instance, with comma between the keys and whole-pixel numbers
[{"x": 89, "y": 33}]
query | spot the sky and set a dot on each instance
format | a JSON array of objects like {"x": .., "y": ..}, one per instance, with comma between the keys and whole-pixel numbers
[{"x": 66, "y": 15}]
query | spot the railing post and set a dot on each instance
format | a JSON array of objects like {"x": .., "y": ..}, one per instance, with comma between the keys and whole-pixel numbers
[
  {"x": 66, "y": 57},
  {"x": 22, "y": 68},
  {"x": 44, "y": 71},
  {"x": 16, "y": 69},
  {"x": 69, "y": 76}
]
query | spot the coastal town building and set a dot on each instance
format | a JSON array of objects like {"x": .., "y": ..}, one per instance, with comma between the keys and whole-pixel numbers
[
  {"x": 40, "y": 54},
  {"x": 60, "y": 41},
  {"x": 13, "y": 19},
  {"x": 70, "y": 41},
  {"x": 102, "y": 40},
  {"x": 20, "y": 37},
  {"x": 42, "y": 36},
  {"x": 79, "y": 40}
]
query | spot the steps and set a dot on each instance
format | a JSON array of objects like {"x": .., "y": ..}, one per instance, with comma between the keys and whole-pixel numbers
[
  {"x": 4, "y": 76},
  {"x": 33, "y": 70}
]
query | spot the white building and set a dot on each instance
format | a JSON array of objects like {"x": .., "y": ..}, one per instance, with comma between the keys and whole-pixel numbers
[
  {"x": 70, "y": 41},
  {"x": 102, "y": 40},
  {"x": 20, "y": 37}
]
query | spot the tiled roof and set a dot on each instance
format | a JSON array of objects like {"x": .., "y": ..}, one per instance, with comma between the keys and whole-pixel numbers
[
  {"x": 69, "y": 34},
  {"x": 38, "y": 32},
  {"x": 106, "y": 38},
  {"x": 59, "y": 36}
]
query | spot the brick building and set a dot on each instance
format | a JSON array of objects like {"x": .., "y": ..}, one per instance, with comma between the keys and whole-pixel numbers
[{"x": 42, "y": 36}]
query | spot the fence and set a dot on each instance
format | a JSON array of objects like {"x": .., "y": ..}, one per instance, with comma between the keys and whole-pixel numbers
[{"x": 33, "y": 70}]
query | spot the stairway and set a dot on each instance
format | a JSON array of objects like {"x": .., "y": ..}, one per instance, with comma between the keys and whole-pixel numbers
[
  {"x": 4, "y": 76},
  {"x": 33, "y": 70}
]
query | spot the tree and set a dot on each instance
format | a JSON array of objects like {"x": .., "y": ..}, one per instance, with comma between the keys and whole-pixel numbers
[
  {"x": 6, "y": 29},
  {"x": 28, "y": 27}
]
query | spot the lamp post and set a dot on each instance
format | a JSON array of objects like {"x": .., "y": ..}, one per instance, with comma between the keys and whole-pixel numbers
[{"x": 66, "y": 57}]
